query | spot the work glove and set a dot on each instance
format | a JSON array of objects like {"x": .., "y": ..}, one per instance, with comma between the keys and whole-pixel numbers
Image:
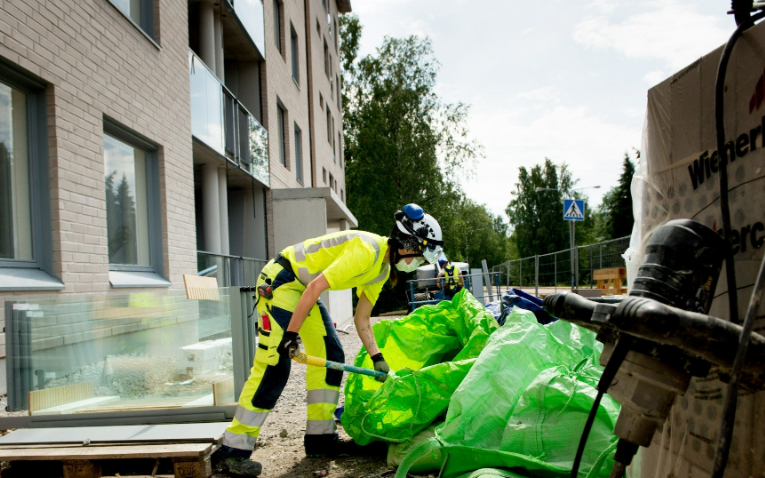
[
  {"x": 381, "y": 366},
  {"x": 289, "y": 344}
]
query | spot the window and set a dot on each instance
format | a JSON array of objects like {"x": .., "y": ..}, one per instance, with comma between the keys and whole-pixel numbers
[
  {"x": 329, "y": 24},
  {"x": 321, "y": 101},
  {"x": 340, "y": 147},
  {"x": 332, "y": 87},
  {"x": 318, "y": 27},
  {"x": 337, "y": 85},
  {"x": 298, "y": 154},
  {"x": 331, "y": 181},
  {"x": 337, "y": 29},
  {"x": 334, "y": 151},
  {"x": 329, "y": 126},
  {"x": 15, "y": 201},
  {"x": 139, "y": 12},
  {"x": 278, "y": 25},
  {"x": 324, "y": 175},
  {"x": 134, "y": 238},
  {"x": 326, "y": 58},
  {"x": 342, "y": 195},
  {"x": 324, "y": 4},
  {"x": 282, "y": 135},
  {"x": 295, "y": 62},
  {"x": 26, "y": 251}
]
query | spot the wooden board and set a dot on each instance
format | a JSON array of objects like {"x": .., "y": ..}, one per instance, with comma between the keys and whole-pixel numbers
[
  {"x": 182, "y": 450},
  {"x": 56, "y": 396},
  {"x": 222, "y": 391},
  {"x": 201, "y": 288},
  {"x": 612, "y": 273}
]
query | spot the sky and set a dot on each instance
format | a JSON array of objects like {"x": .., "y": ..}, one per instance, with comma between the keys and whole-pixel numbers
[{"x": 563, "y": 79}]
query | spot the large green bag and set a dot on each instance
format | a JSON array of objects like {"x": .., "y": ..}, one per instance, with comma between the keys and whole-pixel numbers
[
  {"x": 524, "y": 404},
  {"x": 431, "y": 351}
]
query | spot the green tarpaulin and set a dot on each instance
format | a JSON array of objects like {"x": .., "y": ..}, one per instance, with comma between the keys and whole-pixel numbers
[
  {"x": 431, "y": 351},
  {"x": 523, "y": 406}
]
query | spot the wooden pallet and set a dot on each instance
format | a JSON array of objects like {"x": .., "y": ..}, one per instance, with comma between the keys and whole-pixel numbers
[
  {"x": 190, "y": 460},
  {"x": 610, "y": 280}
]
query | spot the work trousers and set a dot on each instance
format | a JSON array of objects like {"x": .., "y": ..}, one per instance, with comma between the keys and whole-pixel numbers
[{"x": 271, "y": 368}]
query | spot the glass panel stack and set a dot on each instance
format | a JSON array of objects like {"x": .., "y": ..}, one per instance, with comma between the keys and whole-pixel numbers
[{"x": 116, "y": 353}]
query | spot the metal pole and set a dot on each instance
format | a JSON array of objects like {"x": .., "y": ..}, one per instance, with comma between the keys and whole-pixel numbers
[
  {"x": 536, "y": 275},
  {"x": 520, "y": 273},
  {"x": 601, "y": 256},
  {"x": 590, "y": 266},
  {"x": 571, "y": 237},
  {"x": 555, "y": 270}
]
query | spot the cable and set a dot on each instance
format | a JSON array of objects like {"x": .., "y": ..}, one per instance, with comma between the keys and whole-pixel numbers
[
  {"x": 609, "y": 372},
  {"x": 729, "y": 407}
]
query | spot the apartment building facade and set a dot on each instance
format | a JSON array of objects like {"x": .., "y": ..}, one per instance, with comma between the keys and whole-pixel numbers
[{"x": 141, "y": 140}]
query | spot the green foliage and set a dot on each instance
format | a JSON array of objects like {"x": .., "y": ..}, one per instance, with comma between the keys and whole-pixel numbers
[
  {"x": 616, "y": 218},
  {"x": 403, "y": 144},
  {"x": 536, "y": 216}
]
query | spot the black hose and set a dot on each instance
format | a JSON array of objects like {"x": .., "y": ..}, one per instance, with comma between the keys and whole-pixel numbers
[
  {"x": 729, "y": 407},
  {"x": 609, "y": 373}
]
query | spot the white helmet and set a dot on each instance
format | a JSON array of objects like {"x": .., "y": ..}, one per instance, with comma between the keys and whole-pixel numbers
[{"x": 418, "y": 231}]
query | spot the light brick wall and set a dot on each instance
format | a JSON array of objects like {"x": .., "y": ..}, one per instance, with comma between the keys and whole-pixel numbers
[{"x": 97, "y": 63}]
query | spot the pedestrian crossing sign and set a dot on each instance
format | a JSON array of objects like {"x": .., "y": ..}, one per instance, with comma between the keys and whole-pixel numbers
[{"x": 573, "y": 209}]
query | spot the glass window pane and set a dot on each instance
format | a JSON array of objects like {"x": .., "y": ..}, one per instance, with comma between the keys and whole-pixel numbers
[
  {"x": 15, "y": 213},
  {"x": 131, "y": 8},
  {"x": 282, "y": 136},
  {"x": 277, "y": 26},
  {"x": 127, "y": 210}
]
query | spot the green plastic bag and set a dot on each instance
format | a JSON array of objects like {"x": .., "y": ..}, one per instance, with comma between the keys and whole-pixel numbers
[
  {"x": 524, "y": 404},
  {"x": 431, "y": 351}
]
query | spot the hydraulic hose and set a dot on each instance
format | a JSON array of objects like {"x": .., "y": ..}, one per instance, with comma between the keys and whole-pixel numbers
[{"x": 729, "y": 407}]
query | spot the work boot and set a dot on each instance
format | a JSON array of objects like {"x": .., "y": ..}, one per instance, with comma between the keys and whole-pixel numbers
[
  {"x": 235, "y": 462},
  {"x": 239, "y": 466}
]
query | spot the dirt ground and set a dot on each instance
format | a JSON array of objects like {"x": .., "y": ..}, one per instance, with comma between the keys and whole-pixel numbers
[{"x": 280, "y": 445}]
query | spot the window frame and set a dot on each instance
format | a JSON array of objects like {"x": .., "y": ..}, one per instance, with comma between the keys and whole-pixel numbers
[
  {"x": 295, "y": 53},
  {"x": 329, "y": 126},
  {"x": 131, "y": 138},
  {"x": 11, "y": 270},
  {"x": 278, "y": 26},
  {"x": 326, "y": 58},
  {"x": 281, "y": 117},
  {"x": 298, "y": 135},
  {"x": 149, "y": 27}
]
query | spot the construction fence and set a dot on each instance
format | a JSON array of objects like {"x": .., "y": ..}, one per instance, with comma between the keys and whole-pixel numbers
[{"x": 554, "y": 270}]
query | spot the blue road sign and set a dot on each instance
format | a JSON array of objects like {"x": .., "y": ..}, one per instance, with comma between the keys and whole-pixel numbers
[{"x": 573, "y": 209}]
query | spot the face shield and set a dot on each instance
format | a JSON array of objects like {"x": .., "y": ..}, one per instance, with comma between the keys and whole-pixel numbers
[{"x": 432, "y": 253}]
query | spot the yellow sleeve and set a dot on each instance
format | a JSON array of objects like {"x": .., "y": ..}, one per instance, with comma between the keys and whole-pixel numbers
[
  {"x": 371, "y": 291},
  {"x": 357, "y": 258}
]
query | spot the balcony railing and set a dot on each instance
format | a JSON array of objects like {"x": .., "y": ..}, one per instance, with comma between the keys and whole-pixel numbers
[
  {"x": 250, "y": 15},
  {"x": 223, "y": 123},
  {"x": 230, "y": 270}
]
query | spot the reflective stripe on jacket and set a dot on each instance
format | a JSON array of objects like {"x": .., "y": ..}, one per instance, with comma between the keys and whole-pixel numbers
[{"x": 346, "y": 258}]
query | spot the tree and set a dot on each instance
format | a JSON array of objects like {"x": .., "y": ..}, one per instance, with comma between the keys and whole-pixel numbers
[
  {"x": 616, "y": 208},
  {"x": 403, "y": 144},
  {"x": 535, "y": 216}
]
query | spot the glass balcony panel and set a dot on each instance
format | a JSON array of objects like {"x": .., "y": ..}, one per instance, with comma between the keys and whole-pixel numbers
[
  {"x": 230, "y": 110},
  {"x": 214, "y": 265},
  {"x": 250, "y": 13},
  {"x": 206, "y": 105},
  {"x": 125, "y": 352},
  {"x": 259, "y": 152},
  {"x": 244, "y": 139}
]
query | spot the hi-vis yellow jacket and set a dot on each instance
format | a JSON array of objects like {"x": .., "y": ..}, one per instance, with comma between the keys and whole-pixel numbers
[{"x": 346, "y": 258}]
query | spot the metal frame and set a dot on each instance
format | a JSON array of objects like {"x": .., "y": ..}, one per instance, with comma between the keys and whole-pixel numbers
[
  {"x": 39, "y": 190},
  {"x": 136, "y": 140}
]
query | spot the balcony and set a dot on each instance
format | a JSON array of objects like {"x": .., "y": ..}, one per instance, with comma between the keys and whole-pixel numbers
[
  {"x": 223, "y": 124},
  {"x": 249, "y": 14}
]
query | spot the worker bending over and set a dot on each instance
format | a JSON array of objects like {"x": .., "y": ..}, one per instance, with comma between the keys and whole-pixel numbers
[
  {"x": 452, "y": 279},
  {"x": 289, "y": 287}
]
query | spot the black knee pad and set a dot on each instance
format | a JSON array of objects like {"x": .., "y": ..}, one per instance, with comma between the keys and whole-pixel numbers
[
  {"x": 272, "y": 384},
  {"x": 335, "y": 354}
]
